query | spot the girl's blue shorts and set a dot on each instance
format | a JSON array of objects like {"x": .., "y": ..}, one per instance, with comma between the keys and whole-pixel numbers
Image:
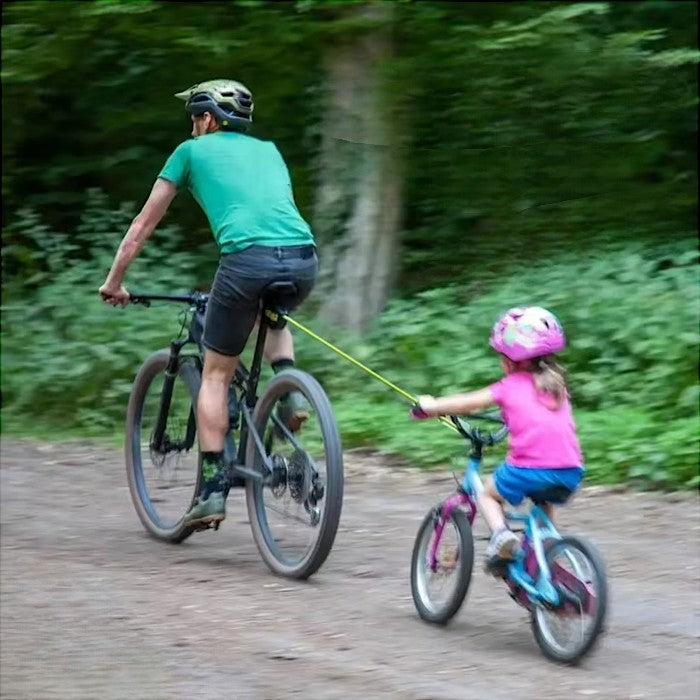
[{"x": 517, "y": 483}]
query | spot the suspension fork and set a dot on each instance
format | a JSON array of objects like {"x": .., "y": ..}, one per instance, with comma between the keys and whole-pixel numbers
[
  {"x": 166, "y": 395},
  {"x": 191, "y": 430}
]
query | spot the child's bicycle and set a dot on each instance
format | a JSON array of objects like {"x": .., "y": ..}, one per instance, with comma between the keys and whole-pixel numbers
[{"x": 559, "y": 579}]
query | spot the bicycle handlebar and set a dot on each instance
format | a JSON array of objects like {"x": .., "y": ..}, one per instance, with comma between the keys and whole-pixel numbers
[
  {"x": 485, "y": 437},
  {"x": 198, "y": 299}
]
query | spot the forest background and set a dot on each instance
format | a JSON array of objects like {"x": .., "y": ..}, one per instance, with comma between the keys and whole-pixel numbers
[{"x": 454, "y": 160}]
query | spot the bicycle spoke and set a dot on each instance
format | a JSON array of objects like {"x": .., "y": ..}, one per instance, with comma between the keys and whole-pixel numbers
[{"x": 289, "y": 515}]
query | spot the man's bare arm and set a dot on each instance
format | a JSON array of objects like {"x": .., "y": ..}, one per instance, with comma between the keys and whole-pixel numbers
[{"x": 141, "y": 228}]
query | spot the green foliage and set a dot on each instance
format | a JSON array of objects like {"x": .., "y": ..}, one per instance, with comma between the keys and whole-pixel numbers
[
  {"x": 540, "y": 128},
  {"x": 66, "y": 357},
  {"x": 107, "y": 118},
  {"x": 631, "y": 314},
  {"x": 516, "y": 120},
  {"x": 548, "y": 155}
]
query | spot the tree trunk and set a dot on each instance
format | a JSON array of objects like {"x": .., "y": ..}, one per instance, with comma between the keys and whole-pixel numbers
[{"x": 358, "y": 205}]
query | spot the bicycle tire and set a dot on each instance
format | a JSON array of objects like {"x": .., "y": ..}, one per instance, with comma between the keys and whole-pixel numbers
[
  {"x": 297, "y": 380},
  {"x": 574, "y": 655},
  {"x": 154, "y": 366},
  {"x": 419, "y": 563}
]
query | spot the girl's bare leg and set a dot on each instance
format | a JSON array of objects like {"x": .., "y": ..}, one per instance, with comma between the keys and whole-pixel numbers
[{"x": 491, "y": 506}]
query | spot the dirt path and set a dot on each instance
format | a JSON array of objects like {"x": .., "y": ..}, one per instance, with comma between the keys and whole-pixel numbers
[{"x": 93, "y": 608}]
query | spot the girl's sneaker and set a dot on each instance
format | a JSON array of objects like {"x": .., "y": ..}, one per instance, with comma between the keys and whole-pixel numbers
[{"x": 502, "y": 548}]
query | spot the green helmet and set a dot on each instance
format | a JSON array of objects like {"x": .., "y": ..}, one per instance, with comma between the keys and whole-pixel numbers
[{"x": 230, "y": 102}]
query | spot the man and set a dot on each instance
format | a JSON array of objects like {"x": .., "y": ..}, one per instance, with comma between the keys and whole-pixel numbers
[{"x": 244, "y": 188}]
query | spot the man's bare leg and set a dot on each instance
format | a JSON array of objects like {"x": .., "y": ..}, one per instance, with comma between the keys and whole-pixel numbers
[
  {"x": 279, "y": 345},
  {"x": 279, "y": 352},
  {"x": 212, "y": 422},
  {"x": 212, "y": 406}
]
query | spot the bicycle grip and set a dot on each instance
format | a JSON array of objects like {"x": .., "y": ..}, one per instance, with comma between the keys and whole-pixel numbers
[
  {"x": 417, "y": 413},
  {"x": 136, "y": 299}
]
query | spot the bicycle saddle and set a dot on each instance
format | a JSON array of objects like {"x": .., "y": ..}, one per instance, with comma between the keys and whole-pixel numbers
[
  {"x": 278, "y": 292},
  {"x": 551, "y": 494}
]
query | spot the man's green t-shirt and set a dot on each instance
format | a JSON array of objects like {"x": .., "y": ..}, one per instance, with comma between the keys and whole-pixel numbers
[{"x": 244, "y": 188}]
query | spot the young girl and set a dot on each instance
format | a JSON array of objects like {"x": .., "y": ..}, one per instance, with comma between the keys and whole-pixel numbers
[{"x": 543, "y": 450}]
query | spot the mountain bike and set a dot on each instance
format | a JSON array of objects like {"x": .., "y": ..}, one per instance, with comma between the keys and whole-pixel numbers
[
  {"x": 293, "y": 481},
  {"x": 559, "y": 579}
]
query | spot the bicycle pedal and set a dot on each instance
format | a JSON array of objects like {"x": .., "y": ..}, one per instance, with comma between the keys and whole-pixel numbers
[
  {"x": 497, "y": 568},
  {"x": 207, "y": 525}
]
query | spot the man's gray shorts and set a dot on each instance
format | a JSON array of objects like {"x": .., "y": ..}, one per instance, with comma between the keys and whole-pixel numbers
[{"x": 234, "y": 302}]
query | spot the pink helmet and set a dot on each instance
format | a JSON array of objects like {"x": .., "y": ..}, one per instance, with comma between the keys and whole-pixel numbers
[{"x": 526, "y": 332}]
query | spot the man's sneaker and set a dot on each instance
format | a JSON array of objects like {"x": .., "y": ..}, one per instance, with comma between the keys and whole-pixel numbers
[
  {"x": 502, "y": 548},
  {"x": 206, "y": 511},
  {"x": 293, "y": 410}
]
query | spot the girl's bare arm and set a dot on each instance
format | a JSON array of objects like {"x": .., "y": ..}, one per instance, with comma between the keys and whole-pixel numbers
[{"x": 456, "y": 404}]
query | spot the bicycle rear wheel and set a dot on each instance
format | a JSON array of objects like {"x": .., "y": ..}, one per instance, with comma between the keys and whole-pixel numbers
[
  {"x": 163, "y": 481},
  {"x": 294, "y": 513},
  {"x": 438, "y": 594},
  {"x": 568, "y": 632}
]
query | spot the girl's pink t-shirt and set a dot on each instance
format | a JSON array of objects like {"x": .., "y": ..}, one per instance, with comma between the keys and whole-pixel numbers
[{"x": 541, "y": 435}]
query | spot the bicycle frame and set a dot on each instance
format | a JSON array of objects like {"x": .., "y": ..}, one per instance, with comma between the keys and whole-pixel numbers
[
  {"x": 531, "y": 558},
  {"x": 245, "y": 380}
]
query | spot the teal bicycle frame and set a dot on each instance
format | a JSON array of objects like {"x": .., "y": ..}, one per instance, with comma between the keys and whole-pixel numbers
[{"x": 529, "y": 573}]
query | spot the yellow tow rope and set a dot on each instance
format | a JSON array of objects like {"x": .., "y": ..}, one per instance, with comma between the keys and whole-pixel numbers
[{"x": 357, "y": 363}]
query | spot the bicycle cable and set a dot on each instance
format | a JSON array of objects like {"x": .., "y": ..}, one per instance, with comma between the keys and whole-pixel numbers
[{"x": 357, "y": 363}]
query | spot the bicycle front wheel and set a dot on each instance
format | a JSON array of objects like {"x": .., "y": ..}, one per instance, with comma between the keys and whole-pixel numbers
[
  {"x": 295, "y": 510},
  {"x": 438, "y": 591},
  {"x": 569, "y": 631},
  {"x": 163, "y": 475}
]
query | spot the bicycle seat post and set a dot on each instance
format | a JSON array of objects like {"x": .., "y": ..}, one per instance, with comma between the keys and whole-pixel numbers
[{"x": 273, "y": 309}]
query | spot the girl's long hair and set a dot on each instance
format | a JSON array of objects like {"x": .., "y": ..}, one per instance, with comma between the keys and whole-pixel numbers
[{"x": 549, "y": 377}]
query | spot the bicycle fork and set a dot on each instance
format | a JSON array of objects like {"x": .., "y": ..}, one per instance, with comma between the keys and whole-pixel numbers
[
  {"x": 441, "y": 514},
  {"x": 159, "y": 441}
]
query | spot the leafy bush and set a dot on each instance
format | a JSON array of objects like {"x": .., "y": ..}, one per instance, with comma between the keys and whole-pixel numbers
[
  {"x": 631, "y": 316},
  {"x": 630, "y": 312},
  {"x": 68, "y": 360}
]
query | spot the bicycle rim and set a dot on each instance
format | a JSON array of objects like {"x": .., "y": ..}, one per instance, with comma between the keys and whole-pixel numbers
[
  {"x": 438, "y": 591},
  {"x": 163, "y": 481},
  {"x": 295, "y": 514},
  {"x": 568, "y": 632}
]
